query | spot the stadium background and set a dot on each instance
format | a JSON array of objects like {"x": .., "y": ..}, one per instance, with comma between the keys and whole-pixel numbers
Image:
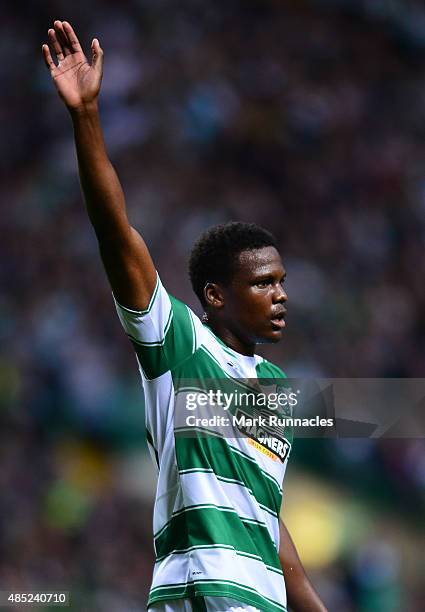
[{"x": 306, "y": 117}]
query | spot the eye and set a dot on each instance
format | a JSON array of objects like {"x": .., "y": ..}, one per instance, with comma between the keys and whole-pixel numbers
[{"x": 262, "y": 284}]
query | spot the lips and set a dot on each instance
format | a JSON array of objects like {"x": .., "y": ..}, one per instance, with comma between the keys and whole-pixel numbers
[{"x": 278, "y": 320}]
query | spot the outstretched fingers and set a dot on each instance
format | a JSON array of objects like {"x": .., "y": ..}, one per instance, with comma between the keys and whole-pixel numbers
[
  {"x": 62, "y": 37},
  {"x": 57, "y": 47},
  {"x": 48, "y": 58},
  {"x": 72, "y": 37},
  {"x": 97, "y": 55}
]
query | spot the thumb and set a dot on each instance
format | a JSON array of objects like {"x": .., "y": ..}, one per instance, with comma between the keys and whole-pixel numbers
[{"x": 97, "y": 55}]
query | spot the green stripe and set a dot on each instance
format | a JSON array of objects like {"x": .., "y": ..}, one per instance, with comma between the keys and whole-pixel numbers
[
  {"x": 193, "y": 332},
  {"x": 253, "y": 461},
  {"x": 265, "y": 369},
  {"x": 186, "y": 508},
  {"x": 230, "y": 481},
  {"x": 213, "y": 525},
  {"x": 227, "y": 588},
  {"x": 239, "y": 553},
  {"x": 208, "y": 373},
  {"x": 204, "y": 373},
  {"x": 207, "y": 433},
  {"x": 203, "y": 367},
  {"x": 242, "y": 484},
  {"x": 200, "y": 506},
  {"x": 175, "y": 348},
  {"x": 214, "y": 453}
]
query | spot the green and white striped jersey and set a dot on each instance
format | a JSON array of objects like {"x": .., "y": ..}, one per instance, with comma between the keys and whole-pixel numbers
[{"x": 216, "y": 527}]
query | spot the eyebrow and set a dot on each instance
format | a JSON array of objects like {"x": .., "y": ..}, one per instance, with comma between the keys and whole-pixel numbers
[{"x": 265, "y": 275}]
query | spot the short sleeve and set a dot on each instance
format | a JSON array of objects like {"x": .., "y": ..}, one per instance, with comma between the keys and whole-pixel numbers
[{"x": 163, "y": 335}]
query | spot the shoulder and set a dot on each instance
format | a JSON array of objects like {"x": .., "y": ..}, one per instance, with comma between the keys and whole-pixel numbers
[{"x": 266, "y": 369}]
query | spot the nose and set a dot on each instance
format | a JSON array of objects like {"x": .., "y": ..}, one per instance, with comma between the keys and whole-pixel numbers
[{"x": 280, "y": 295}]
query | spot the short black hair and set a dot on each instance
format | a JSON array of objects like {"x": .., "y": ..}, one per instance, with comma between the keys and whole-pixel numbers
[{"x": 213, "y": 255}]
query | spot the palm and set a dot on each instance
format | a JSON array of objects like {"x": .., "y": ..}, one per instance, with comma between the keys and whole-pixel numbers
[{"x": 76, "y": 80}]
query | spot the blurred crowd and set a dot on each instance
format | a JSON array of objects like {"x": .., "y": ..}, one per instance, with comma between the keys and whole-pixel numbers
[{"x": 307, "y": 118}]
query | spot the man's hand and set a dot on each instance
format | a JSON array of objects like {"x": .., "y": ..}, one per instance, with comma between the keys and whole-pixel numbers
[
  {"x": 77, "y": 82},
  {"x": 125, "y": 256}
]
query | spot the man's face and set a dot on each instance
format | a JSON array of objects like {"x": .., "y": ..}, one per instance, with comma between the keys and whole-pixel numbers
[{"x": 254, "y": 302}]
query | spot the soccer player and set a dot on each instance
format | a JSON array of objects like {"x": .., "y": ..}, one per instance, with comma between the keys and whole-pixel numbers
[{"x": 219, "y": 541}]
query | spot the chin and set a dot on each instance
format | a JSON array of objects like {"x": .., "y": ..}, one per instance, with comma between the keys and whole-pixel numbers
[{"x": 271, "y": 338}]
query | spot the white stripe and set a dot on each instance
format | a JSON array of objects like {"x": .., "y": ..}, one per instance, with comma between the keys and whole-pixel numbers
[
  {"x": 204, "y": 488},
  {"x": 148, "y": 327},
  {"x": 248, "y": 451},
  {"x": 220, "y": 564},
  {"x": 213, "y": 604}
]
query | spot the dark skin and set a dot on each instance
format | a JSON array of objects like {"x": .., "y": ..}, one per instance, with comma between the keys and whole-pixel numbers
[
  {"x": 300, "y": 592},
  {"x": 251, "y": 309},
  {"x": 247, "y": 312}
]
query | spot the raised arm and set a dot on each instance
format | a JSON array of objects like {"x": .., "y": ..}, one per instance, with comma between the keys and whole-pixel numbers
[
  {"x": 125, "y": 256},
  {"x": 300, "y": 592}
]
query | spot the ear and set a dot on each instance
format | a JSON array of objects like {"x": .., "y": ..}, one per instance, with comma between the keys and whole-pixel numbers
[{"x": 214, "y": 297}]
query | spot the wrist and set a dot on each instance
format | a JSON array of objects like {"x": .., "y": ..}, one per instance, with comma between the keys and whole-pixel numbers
[{"x": 84, "y": 109}]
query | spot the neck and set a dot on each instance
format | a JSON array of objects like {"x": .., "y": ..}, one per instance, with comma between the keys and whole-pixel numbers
[{"x": 231, "y": 339}]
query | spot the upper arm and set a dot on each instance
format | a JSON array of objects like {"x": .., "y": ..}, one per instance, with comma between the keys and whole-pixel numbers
[
  {"x": 163, "y": 335},
  {"x": 129, "y": 268}
]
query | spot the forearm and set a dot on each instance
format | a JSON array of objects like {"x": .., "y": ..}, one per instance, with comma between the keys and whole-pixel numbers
[
  {"x": 124, "y": 253},
  {"x": 100, "y": 184},
  {"x": 300, "y": 592}
]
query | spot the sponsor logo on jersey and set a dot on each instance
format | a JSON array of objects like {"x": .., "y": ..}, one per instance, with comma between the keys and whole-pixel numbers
[{"x": 258, "y": 429}]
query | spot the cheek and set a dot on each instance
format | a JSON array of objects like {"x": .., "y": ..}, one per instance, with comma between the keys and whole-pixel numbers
[{"x": 256, "y": 305}]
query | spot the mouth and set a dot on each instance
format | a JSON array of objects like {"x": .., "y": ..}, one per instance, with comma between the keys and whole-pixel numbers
[{"x": 278, "y": 320}]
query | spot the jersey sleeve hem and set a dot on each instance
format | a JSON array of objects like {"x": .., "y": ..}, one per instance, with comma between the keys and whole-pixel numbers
[{"x": 140, "y": 312}]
